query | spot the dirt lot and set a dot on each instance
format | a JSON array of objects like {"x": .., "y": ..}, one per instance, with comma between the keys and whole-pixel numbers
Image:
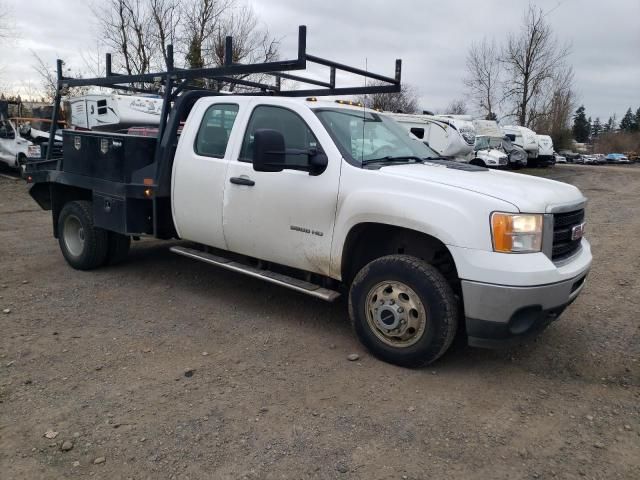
[{"x": 100, "y": 357}]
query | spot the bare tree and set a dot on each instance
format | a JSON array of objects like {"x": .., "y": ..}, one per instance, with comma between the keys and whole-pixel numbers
[
  {"x": 252, "y": 42},
  {"x": 483, "y": 76},
  {"x": 49, "y": 80},
  {"x": 554, "y": 117},
  {"x": 6, "y": 21},
  {"x": 138, "y": 31},
  {"x": 200, "y": 20},
  {"x": 531, "y": 59},
  {"x": 127, "y": 30},
  {"x": 404, "y": 101},
  {"x": 165, "y": 19},
  {"x": 456, "y": 107}
]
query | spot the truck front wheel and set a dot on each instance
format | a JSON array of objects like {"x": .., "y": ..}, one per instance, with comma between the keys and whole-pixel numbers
[
  {"x": 403, "y": 310},
  {"x": 83, "y": 245}
]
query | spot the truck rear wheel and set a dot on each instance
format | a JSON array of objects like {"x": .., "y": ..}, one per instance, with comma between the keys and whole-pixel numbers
[
  {"x": 403, "y": 310},
  {"x": 118, "y": 248},
  {"x": 83, "y": 245}
]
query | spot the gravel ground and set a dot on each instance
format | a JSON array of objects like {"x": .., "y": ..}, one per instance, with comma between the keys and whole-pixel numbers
[{"x": 167, "y": 368}]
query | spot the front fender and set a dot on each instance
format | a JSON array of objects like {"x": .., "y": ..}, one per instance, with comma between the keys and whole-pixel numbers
[{"x": 455, "y": 216}]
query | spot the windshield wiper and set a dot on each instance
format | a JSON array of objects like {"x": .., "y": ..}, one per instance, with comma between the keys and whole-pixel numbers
[{"x": 390, "y": 159}]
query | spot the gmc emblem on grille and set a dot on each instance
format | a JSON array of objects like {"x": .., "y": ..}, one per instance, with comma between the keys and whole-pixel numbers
[{"x": 577, "y": 232}]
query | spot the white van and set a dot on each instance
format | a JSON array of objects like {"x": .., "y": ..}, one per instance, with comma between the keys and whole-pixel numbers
[{"x": 449, "y": 137}]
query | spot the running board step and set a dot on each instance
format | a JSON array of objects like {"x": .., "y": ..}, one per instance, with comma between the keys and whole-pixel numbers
[{"x": 267, "y": 275}]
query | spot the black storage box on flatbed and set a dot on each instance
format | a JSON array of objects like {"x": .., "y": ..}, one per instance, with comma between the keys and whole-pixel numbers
[{"x": 106, "y": 156}]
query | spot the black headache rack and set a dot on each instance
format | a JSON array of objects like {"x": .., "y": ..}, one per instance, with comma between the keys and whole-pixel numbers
[{"x": 128, "y": 177}]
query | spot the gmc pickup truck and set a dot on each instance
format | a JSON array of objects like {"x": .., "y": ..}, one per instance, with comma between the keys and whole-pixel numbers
[{"x": 328, "y": 198}]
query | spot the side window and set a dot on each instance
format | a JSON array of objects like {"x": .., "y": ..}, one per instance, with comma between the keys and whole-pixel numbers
[
  {"x": 296, "y": 132},
  {"x": 215, "y": 129},
  {"x": 102, "y": 107}
]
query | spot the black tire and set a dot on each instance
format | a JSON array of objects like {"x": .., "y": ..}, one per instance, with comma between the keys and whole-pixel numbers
[
  {"x": 433, "y": 290},
  {"x": 118, "y": 248},
  {"x": 21, "y": 162},
  {"x": 90, "y": 250},
  {"x": 478, "y": 163}
]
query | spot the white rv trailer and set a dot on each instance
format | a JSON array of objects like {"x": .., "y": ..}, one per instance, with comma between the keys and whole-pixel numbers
[
  {"x": 524, "y": 138},
  {"x": 545, "y": 150},
  {"x": 113, "y": 112},
  {"x": 449, "y": 137}
]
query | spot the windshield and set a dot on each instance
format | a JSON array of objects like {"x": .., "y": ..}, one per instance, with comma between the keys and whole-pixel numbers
[
  {"x": 483, "y": 142},
  {"x": 365, "y": 136}
]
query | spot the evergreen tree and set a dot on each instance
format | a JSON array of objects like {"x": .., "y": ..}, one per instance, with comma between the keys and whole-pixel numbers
[
  {"x": 580, "y": 126},
  {"x": 636, "y": 123},
  {"x": 627, "y": 123},
  {"x": 596, "y": 128}
]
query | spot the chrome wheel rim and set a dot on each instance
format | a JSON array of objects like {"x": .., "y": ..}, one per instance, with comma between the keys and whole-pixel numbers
[
  {"x": 73, "y": 235},
  {"x": 395, "y": 314}
]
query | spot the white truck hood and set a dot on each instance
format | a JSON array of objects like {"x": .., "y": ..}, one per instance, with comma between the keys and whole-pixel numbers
[
  {"x": 527, "y": 193},
  {"x": 492, "y": 155}
]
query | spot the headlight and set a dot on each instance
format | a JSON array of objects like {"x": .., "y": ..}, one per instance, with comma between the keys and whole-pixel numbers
[{"x": 516, "y": 233}]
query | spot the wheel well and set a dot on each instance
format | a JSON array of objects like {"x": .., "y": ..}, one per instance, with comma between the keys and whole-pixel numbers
[
  {"x": 478, "y": 162},
  {"x": 61, "y": 195},
  {"x": 368, "y": 241}
]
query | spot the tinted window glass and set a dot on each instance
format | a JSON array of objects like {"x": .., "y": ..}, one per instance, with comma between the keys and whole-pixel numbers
[
  {"x": 295, "y": 131},
  {"x": 215, "y": 130}
]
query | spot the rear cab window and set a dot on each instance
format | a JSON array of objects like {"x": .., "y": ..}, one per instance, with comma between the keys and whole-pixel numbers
[{"x": 214, "y": 132}]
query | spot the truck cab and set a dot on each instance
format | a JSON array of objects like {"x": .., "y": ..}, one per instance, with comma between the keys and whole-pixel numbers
[{"x": 13, "y": 148}]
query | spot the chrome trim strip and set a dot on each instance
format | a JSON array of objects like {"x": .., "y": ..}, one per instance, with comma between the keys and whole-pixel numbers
[
  {"x": 566, "y": 207},
  {"x": 547, "y": 235}
]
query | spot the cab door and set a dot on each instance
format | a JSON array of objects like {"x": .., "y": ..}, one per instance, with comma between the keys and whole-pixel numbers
[
  {"x": 200, "y": 169},
  {"x": 285, "y": 217}
]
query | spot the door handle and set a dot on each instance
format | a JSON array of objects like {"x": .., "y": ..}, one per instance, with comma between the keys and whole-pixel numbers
[{"x": 242, "y": 181}]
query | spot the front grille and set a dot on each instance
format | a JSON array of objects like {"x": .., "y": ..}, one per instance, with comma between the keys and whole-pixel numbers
[{"x": 563, "y": 246}]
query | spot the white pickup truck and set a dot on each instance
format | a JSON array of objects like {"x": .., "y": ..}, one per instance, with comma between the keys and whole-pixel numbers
[{"x": 329, "y": 198}]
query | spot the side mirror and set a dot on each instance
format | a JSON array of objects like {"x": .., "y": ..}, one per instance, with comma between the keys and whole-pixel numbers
[
  {"x": 268, "y": 151},
  {"x": 269, "y": 154},
  {"x": 318, "y": 163}
]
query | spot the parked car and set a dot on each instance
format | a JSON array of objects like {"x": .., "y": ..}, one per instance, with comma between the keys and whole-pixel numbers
[
  {"x": 599, "y": 158},
  {"x": 559, "y": 158},
  {"x": 617, "y": 158},
  {"x": 571, "y": 156}
]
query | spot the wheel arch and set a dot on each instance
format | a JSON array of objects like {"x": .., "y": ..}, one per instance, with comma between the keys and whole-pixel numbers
[
  {"x": 59, "y": 195},
  {"x": 369, "y": 240}
]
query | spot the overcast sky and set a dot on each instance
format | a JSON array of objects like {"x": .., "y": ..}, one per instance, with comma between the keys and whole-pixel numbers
[{"x": 432, "y": 38}]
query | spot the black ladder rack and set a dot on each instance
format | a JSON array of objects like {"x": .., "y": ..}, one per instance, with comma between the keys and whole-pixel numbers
[{"x": 178, "y": 80}]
